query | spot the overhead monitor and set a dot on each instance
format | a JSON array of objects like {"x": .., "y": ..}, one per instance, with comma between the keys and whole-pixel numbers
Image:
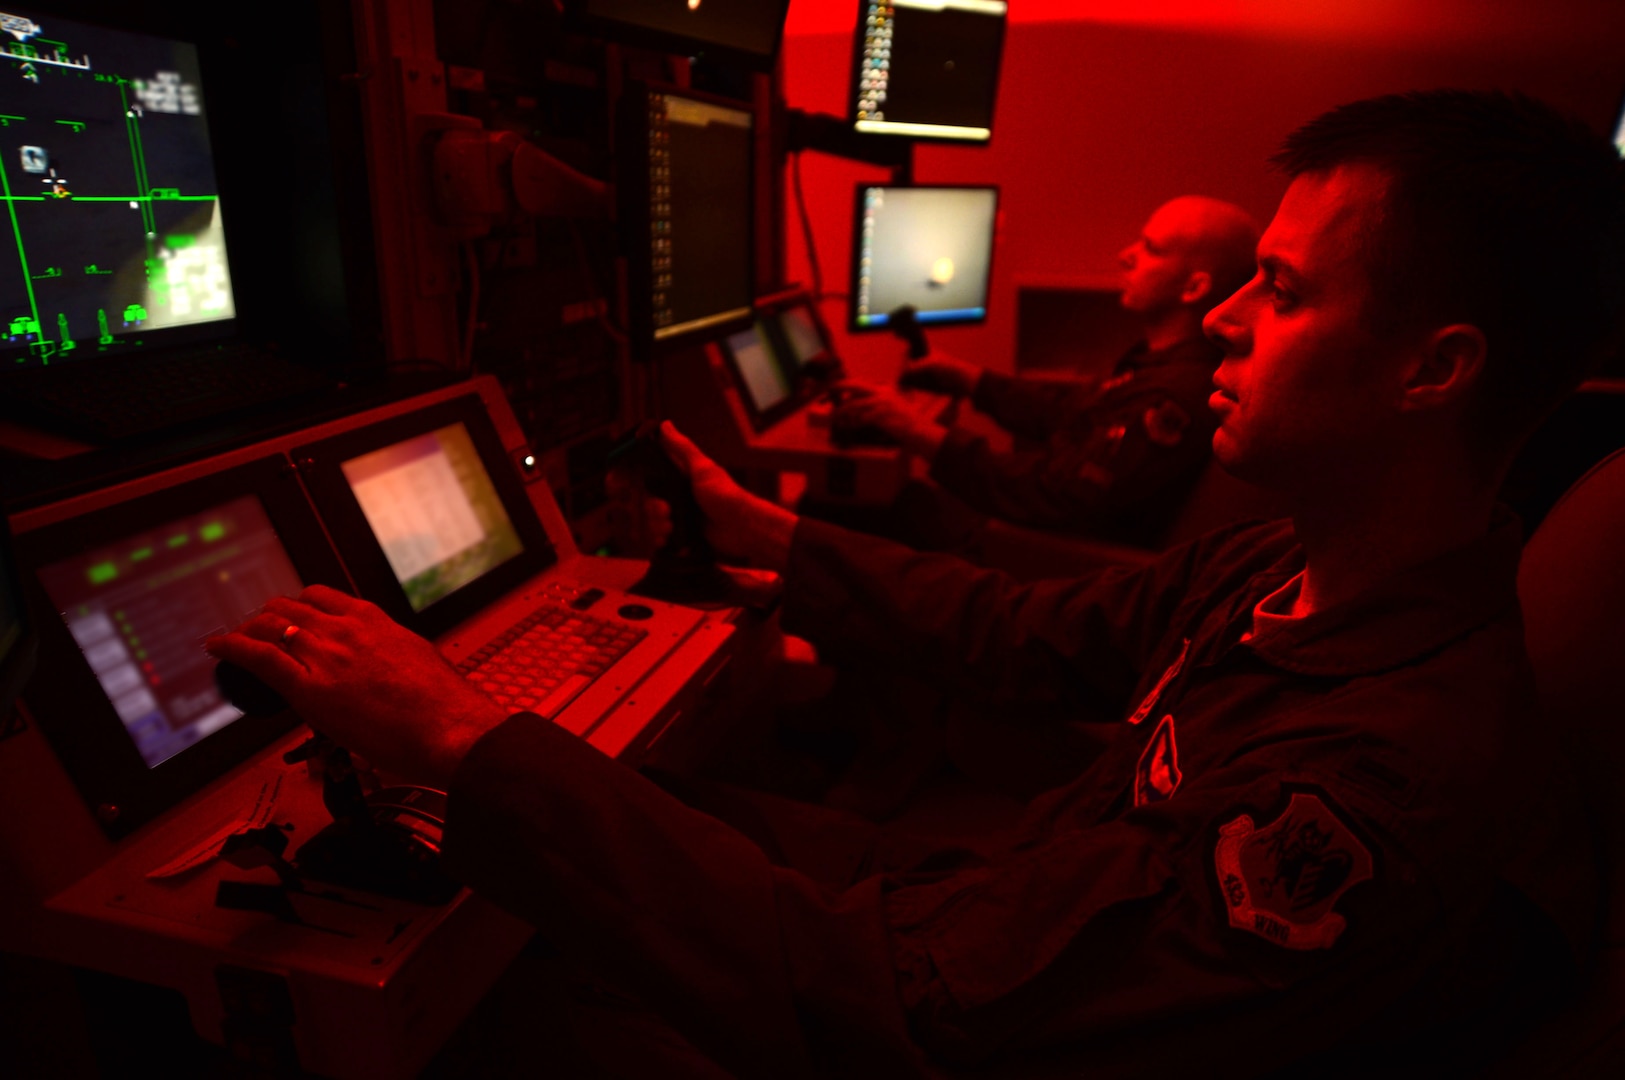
[
  {"x": 927, "y": 69},
  {"x": 427, "y": 513},
  {"x": 922, "y": 246},
  {"x": 687, "y": 162},
  {"x": 124, "y": 690},
  {"x": 118, "y": 235},
  {"x": 743, "y": 31}
]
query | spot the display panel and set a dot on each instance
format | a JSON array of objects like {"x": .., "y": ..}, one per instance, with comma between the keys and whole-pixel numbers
[
  {"x": 139, "y": 606},
  {"x": 746, "y": 31},
  {"x": 688, "y": 209},
  {"x": 1619, "y": 130},
  {"x": 110, "y": 186},
  {"x": 434, "y": 511},
  {"x": 428, "y": 513},
  {"x": 760, "y": 372},
  {"x": 802, "y": 334},
  {"x": 927, "y": 69},
  {"x": 927, "y": 247},
  {"x": 155, "y": 575}
]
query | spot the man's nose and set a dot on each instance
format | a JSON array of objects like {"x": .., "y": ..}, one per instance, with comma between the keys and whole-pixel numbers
[
  {"x": 1125, "y": 258},
  {"x": 1227, "y": 331}
]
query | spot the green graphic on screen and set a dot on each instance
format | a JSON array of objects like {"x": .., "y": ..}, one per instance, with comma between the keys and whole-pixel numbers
[
  {"x": 434, "y": 511},
  {"x": 109, "y": 191}
]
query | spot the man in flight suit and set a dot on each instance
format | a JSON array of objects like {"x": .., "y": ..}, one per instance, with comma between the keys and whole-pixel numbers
[
  {"x": 1116, "y": 455},
  {"x": 1328, "y": 816}
]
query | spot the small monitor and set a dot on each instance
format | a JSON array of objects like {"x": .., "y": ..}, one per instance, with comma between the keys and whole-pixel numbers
[
  {"x": 1619, "y": 130},
  {"x": 743, "y": 31},
  {"x": 927, "y": 69},
  {"x": 764, "y": 382},
  {"x": 687, "y": 215},
  {"x": 124, "y": 690},
  {"x": 118, "y": 236},
  {"x": 802, "y": 339},
  {"x": 427, "y": 513},
  {"x": 926, "y": 247}
]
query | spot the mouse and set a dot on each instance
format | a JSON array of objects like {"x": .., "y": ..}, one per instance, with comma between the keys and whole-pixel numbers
[
  {"x": 684, "y": 570},
  {"x": 246, "y": 690}
]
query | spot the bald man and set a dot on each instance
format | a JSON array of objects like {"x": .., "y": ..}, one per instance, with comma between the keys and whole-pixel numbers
[{"x": 1116, "y": 455}]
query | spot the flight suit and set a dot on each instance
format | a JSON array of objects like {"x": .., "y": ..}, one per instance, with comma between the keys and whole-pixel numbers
[
  {"x": 1115, "y": 457},
  {"x": 1343, "y": 827}
]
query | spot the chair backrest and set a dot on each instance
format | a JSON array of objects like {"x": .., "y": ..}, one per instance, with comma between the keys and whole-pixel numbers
[{"x": 1572, "y": 586}]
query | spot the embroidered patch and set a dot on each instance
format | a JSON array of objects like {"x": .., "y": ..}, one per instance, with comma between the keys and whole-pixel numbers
[
  {"x": 1281, "y": 882},
  {"x": 1165, "y": 424},
  {"x": 1157, "y": 776},
  {"x": 1150, "y": 701}
]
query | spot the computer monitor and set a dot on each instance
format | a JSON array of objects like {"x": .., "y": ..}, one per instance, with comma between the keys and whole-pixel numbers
[
  {"x": 927, "y": 69},
  {"x": 765, "y": 385},
  {"x": 804, "y": 342},
  {"x": 776, "y": 360},
  {"x": 743, "y": 31},
  {"x": 124, "y": 690},
  {"x": 117, "y": 228},
  {"x": 924, "y": 246},
  {"x": 686, "y": 173},
  {"x": 428, "y": 513}
]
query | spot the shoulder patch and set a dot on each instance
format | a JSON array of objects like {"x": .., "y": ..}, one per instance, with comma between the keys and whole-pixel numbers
[
  {"x": 1165, "y": 424},
  {"x": 1157, "y": 776},
  {"x": 1282, "y": 881}
]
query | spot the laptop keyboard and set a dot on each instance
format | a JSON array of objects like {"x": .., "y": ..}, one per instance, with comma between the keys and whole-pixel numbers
[{"x": 549, "y": 657}]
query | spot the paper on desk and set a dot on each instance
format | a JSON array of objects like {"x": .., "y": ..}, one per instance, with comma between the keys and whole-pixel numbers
[{"x": 204, "y": 851}]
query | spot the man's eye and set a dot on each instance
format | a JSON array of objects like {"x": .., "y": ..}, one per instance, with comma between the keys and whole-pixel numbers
[{"x": 1282, "y": 299}]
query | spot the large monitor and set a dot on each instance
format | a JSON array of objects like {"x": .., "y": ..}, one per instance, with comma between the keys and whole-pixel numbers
[
  {"x": 927, "y": 69},
  {"x": 687, "y": 169},
  {"x": 743, "y": 31},
  {"x": 922, "y": 246},
  {"x": 124, "y": 690},
  {"x": 118, "y": 235},
  {"x": 428, "y": 513}
]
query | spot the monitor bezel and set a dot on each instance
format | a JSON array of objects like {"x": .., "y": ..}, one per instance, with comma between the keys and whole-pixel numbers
[
  {"x": 64, "y": 697},
  {"x": 633, "y": 196},
  {"x": 637, "y": 34},
  {"x": 321, "y": 464},
  {"x": 852, "y": 324},
  {"x": 856, "y": 75}
]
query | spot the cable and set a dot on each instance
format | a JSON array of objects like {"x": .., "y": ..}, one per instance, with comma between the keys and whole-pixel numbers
[{"x": 806, "y": 229}]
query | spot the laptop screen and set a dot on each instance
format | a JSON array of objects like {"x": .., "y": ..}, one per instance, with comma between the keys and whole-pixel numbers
[
  {"x": 109, "y": 177},
  {"x": 139, "y": 606},
  {"x": 434, "y": 511},
  {"x": 759, "y": 369}
]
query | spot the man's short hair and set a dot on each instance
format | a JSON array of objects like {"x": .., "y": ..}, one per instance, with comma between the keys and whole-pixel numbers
[{"x": 1501, "y": 212}]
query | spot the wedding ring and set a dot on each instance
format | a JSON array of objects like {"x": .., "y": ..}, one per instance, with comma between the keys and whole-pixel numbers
[{"x": 287, "y": 635}]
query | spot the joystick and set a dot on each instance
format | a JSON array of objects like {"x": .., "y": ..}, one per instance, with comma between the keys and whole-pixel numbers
[
  {"x": 905, "y": 323},
  {"x": 684, "y": 569}
]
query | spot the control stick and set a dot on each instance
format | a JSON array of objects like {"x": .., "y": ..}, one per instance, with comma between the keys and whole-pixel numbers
[{"x": 684, "y": 569}]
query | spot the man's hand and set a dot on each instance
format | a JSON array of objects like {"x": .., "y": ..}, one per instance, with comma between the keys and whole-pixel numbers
[
  {"x": 882, "y": 407},
  {"x": 942, "y": 375},
  {"x": 362, "y": 679},
  {"x": 738, "y": 524}
]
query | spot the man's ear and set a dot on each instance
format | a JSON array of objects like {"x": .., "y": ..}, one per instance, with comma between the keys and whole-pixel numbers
[
  {"x": 1448, "y": 363},
  {"x": 1197, "y": 286}
]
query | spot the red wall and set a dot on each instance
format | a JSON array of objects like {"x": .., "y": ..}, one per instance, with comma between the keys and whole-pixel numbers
[{"x": 1097, "y": 124}]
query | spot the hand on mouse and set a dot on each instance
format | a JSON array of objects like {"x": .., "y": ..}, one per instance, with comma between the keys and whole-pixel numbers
[
  {"x": 362, "y": 679},
  {"x": 883, "y": 408},
  {"x": 942, "y": 375},
  {"x": 739, "y": 525}
]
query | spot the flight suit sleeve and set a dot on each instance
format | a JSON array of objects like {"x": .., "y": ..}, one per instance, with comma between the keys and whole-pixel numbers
[
  {"x": 1141, "y": 452},
  {"x": 1247, "y": 922},
  {"x": 861, "y": 599},
  {"x": 1030, "y": 408}
]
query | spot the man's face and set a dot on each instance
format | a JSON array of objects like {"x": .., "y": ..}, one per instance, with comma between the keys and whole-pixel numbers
[
  {"x": 1157, "y": 265},
  {"x": 1306, "y": 392}
]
